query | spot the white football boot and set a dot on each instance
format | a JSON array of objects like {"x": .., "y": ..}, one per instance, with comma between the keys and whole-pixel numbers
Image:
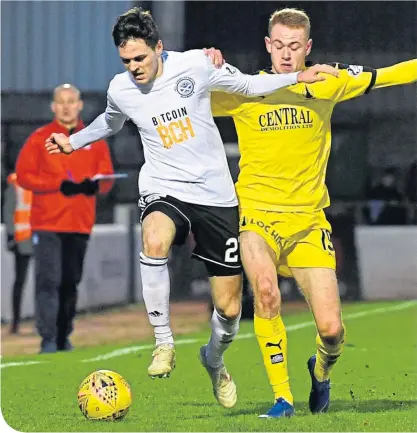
[
  {"x": 163, "y": 361},
  {"x": 224, "y": 388}
]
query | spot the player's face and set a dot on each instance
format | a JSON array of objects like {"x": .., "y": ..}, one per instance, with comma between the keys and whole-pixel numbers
[
  {"x": 288, "y": 48},
  {"x": 67, "y": 106},
  {"x": 143, "y": 62}
]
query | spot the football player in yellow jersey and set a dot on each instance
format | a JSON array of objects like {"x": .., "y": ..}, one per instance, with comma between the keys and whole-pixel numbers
[{"x": 284, "y": 141}]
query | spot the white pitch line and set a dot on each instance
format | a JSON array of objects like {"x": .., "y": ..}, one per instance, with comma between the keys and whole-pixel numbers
[
  {"x": 126, "y": 350},
  {"x": 295, "y": 327},
  {"x": 20, "y": 364}
]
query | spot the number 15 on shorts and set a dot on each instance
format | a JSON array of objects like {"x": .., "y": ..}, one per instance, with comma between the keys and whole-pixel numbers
[
  {"x": 326, "y": 241},
  {"x": 232, "y": 255}
]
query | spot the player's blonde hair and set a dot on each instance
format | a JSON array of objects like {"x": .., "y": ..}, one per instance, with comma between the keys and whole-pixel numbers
[{"x": 290, "y": 17}]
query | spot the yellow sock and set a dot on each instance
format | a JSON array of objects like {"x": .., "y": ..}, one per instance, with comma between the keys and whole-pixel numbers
[
  {"x": 272, "y": 339},
  {"x": 327, "y": 356}
]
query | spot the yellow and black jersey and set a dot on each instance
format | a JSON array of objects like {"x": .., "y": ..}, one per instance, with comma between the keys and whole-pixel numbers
[{"x": 284, "y": 138}]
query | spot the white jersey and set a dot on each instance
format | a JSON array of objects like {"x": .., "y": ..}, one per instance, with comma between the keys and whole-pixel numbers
[{"x": 184, "y": 153}]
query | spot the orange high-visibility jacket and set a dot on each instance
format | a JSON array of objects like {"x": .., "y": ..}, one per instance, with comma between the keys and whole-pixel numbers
[
  {"x": 42, "y": 173},
  {"x": 21, "y": 218}
]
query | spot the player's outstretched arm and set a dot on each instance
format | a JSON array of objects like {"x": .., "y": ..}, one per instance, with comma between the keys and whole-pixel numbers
[
  {"x": 401, "y": 73},
  {"x": 230, "y": 79},
  {"x": 100, "y": 128},
  {"x": 309, "y": 76},
  {"x": 108, "y": 123}
]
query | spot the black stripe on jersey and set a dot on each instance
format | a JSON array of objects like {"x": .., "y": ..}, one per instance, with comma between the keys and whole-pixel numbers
[
  {"x": 365, "y": 69},
  {"x": 373, "y": 79}
]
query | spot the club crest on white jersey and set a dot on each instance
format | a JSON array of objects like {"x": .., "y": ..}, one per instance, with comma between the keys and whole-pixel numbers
[{"x": 185, "y": 87}]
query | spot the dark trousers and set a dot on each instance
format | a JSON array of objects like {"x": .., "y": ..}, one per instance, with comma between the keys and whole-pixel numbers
[
  {"x": 59, "y": 259},
  {"x": 21, "y": 265}
]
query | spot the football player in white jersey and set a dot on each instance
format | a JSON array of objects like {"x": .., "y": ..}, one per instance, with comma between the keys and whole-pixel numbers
[{"x": 185, "y": 184}]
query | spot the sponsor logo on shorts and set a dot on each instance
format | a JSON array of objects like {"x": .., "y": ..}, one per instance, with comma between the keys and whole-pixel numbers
[
  {"x": 267, "y": 228},
  {"x": 147, "y": 199},
  {"x": 277, "y": 358}
]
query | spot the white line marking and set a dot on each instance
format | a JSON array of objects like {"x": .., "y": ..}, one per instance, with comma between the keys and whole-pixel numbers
[
  {"x": 126, "y": 350},
  {"x": 133, "y": 349},
  {"x": 19, "y": 364},
  {"x": 295, "y": 327}
]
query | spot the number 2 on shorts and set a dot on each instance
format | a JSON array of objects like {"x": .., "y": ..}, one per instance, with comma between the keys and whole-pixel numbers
[{"x": 231, "y": 255}]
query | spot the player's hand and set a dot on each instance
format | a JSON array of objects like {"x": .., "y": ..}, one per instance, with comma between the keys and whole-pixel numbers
[
  {"x": 58, "y": 143},
  {"x": 216, "y": 56},
  {"x": 311, "y": 75}
]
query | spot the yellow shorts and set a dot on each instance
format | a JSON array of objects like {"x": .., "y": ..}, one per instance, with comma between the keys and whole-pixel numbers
[{"x": 299, "y": 239}]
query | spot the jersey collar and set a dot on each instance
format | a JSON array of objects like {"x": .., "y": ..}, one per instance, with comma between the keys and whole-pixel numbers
[
  {"x": 268, "y": 70},
  {"x": 60, "y": 128}
]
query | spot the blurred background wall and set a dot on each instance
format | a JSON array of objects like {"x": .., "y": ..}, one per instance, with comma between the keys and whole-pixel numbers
[{"x": 46, "y": 43}]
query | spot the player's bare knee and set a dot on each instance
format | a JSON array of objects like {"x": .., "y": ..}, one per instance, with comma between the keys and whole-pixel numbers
[
  {"x": 155, "y": 247},
  {"x": 232, "y": 311},
  {"x": 266, "y": 294},
  {"x": 331, "y": 332},
  {"x": 229, "y": 307},
  {"x": 227, "y": 295}
]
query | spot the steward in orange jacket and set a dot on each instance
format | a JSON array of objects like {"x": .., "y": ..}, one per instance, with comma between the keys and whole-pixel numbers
[
  {"x": 63, "y": 214},
  {"x": 54, "y": 208},
  {"x": 16, "y": 212},
  {"x": 18, "y": 227}
]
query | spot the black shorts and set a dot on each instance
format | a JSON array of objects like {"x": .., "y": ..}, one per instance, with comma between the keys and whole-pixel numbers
[{"x": 215, "y": 230}]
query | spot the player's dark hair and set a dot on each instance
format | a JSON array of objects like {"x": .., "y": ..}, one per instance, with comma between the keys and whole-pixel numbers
[{"x": 136, "y": 23}]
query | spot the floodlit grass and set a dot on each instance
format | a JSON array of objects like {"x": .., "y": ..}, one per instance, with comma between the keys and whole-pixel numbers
[{"x": 373, "y": 384}]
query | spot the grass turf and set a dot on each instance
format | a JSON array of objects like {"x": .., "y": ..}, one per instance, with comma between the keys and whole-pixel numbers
[{"x": 373, "y": 384}]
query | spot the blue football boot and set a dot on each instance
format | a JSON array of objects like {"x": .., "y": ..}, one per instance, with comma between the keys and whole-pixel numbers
[
  {"x": 280, "y": 409},
  {"x": 320, "y": 391}
]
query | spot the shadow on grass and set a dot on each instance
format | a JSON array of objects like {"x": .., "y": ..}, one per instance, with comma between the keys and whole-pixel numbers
[
  {"x": 336, "y": 406},
  {"x": 365, "y": 406},
  {"x": 255, "y": 409}
]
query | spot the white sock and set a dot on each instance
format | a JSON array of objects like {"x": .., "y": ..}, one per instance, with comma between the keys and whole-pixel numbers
[
  {"x": 156, "y": 287},
  {"x": 223, "y": 331}
]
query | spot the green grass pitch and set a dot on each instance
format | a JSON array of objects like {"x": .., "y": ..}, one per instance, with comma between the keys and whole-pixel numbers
[{"x": 374, "y": 384}]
